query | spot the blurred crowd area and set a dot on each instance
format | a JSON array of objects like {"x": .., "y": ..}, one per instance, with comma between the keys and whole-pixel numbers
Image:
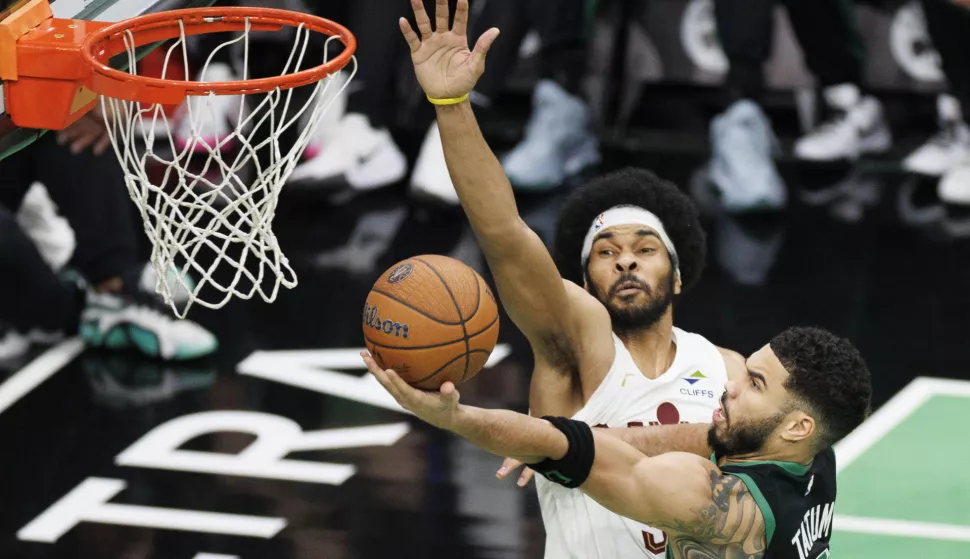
[{"x": 753, "y": 85}]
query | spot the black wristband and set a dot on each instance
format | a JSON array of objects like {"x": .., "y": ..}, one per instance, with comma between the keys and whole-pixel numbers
[{"x": 572, "y": 469}]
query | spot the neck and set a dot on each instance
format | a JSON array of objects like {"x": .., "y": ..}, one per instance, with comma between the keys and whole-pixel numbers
[
  {"x": 653, "y": 349},
  {"x": 796, "y": 455}
]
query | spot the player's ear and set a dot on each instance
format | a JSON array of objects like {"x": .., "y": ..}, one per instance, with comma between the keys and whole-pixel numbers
[
  {"x": 678, "y": 285},
  {"x": 799, "y": 426}
]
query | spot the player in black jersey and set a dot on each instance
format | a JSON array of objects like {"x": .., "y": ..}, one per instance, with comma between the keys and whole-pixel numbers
[{"x": 767, "y": 491}]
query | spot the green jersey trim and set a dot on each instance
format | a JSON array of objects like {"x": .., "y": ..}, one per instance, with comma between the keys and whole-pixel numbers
[
  {"x": 759, "y": 498},
  {"x": 794, "y": 468}
]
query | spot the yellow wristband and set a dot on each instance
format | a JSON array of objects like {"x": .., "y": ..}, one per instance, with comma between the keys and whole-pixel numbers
[{"x": 452, "y": 101}]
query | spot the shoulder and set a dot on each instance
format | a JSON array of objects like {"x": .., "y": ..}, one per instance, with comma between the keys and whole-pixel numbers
[
  {"x": 734, "y": 362},
  {"x": 584, "y": 351},
  {"x": 713, "y": 506},
  {"x": 581, "y": 300},
  {"x": 593, "y": 335}
]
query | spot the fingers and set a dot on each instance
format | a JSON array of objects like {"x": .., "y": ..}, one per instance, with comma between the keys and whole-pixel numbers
[
  {"x": 102, "y": 144},
  {"x": 371, "y": 363},
  {"x": 409, "y": 35},
  {"x": 381, "y": 375},
  {"x": 460, "y": 26},
  {"x": 421, "y": 18},
  {"x": 82, "y": 142},
  {"x": 484, "y": 43},
  {"x": 441, "y": 16},
  {"x": 449, "y": 391},
  {"x": 509, "y": 465},
  {"x": 402, "y": 388},
  {"x": 78, "y": 137}
]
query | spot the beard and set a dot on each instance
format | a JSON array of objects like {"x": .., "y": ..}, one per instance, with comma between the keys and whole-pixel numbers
[
  {"x": 639, "y": 317},
  {"x": 743, "y": 437}
]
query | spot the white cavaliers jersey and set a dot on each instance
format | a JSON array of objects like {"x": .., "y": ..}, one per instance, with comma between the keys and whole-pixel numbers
[{"x": 577, "y": 527}]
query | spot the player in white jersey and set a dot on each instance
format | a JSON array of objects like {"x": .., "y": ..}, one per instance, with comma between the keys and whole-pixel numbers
[{"x": 601, "y": 323}]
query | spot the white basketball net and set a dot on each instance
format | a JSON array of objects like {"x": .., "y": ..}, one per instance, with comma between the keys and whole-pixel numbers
[{"x": 199, "y": 212}]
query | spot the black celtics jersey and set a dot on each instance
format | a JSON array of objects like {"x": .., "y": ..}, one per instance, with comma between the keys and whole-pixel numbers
[{"x": 797, "y": 502}]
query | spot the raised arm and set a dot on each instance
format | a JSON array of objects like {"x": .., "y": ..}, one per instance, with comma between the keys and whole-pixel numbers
[{"x": 529, "y": 284}]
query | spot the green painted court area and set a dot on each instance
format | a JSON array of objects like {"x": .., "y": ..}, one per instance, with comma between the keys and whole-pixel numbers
[{"x": 904, "y": 485}]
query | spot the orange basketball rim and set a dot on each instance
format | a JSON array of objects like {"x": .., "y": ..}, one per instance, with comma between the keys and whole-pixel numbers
[{"x": 55, "y": 69}]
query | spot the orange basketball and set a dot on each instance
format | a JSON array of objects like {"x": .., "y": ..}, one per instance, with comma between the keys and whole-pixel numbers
[{"x": 431, "y": 319}]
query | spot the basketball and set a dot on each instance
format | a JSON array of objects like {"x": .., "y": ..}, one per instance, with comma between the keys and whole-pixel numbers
[{"x": 431, "y": 319}]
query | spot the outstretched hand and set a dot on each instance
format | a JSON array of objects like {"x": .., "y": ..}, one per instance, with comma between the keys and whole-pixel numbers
[
  {"x": 437, "y": 408},
  {"x": 89, "y": 130},
  {"x": 444, "y": 66}
]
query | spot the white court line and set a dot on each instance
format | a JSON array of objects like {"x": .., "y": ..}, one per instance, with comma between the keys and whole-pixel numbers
[
  {"x": 214, "y": 556},
  {"x": 901, "y": 528},
  {"x": 880, "y": 423},
  {"x": 894, "y": 412},
  {"x": 37, "y": 371},
  {"x": 945, "y": 386}
]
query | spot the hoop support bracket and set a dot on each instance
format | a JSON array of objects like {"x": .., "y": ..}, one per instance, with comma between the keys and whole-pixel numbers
[
  {"x": 52, "y": 88},
  {"x": 55, "y": 69}
]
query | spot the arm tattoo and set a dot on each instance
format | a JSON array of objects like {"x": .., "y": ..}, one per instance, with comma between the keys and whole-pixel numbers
[{"x": 729, "y": 527}]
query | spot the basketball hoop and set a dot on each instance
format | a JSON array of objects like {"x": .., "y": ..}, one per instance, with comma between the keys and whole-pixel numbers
[{"x": 197, "y": 211}]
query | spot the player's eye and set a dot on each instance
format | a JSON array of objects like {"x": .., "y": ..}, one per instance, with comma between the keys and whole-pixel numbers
[
  {"x": 754, "y": 383},
  {"x": 646, "y": 250},
  {"x": 606, "y": 252}
]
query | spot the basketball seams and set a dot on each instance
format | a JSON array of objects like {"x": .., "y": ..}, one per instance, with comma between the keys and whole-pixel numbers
[
  {"x": 419, "y": 311},
  {"x": 461, "y": 317},
  {"x": 478, "y": 296},
  {"x": 443, "y": 367},
  {"x": 471, "y": 351},
  {"x": 442, "y": 344},
  {"x": 425, "y": 303}
]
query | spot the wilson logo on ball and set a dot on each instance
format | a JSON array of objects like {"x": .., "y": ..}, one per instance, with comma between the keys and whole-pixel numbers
[
  {"x": 372, "y": 318},
  {"x": 400, "y": 273}
]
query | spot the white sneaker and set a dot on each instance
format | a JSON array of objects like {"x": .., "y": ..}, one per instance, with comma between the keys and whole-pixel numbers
[
  {"x": 50, "y": 232},
  {"x": 954, "y": 187},
  {"x": 558, "y": 141},
  {"x": 857, "y": 126},
  {"x": 334, "y": 97},
  {"x": 430, "y": 178},
  {"x": 948, "y": 147},
  {"x": 113, "y": 322},
  {"x": 742, "y": 168},
  {"x": 181, "y": 284},
  {"x": 13, "y": 344},
  {"x": 361, "y": 156},
  {"x": 212, "y": 119}
]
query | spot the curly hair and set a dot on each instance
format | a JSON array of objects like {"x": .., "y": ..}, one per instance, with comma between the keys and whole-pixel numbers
[
  {"x": 828, "y": 374},
  {"x": 635, "y": 187}
]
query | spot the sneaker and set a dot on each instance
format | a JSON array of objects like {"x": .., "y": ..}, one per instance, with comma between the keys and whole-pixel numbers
[
  {"x": 954, "y": 187},
  {"x": 334, "y": 97},
  {"x": 742, "y": 168},
  {"x": 364, "y": 158},
  {"x": 856, "y": 126},
  {"x": 51, "y": 233},
  {"x": 558, "y": 142},
  {"x": 430, "y": 179},
  {"x": 113, "y": 322},
  {"x": 13, "y": 344},
  {"x": 144, "y": 280},
  {"x": 372, "y": 237},
  {"x": 948, "y": 147},
  {"x": 205, "y": 121}
]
